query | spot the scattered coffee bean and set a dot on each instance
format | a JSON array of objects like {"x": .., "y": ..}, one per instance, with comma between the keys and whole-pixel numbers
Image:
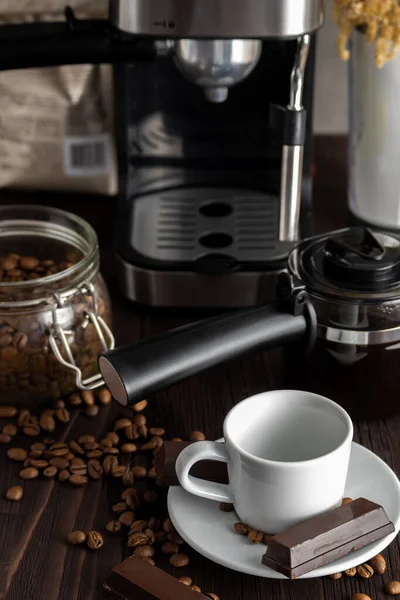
[
  {"x": 118, "y": 471},
  {"x": 378, "y": 563},
  {"x": 31, "y": 430},
  {"x": 144, "y": 551},
  {"x": 176, "y": 538},
  {"x": 150, "y": 496},
  {"x": 60, "y": 462},
  {"x": 109, "y": 463},
  {"x": 119, "y": 507},
  {"x": 128, "y": 448},
  {"x": 92, "y": 410},
  {"x": 154, "y": 524},
  {"x": 36, "y": 454},
  {"x": 226, "y": 507},
  {"x": 139, "y": 420},
  {"x": 168, "y": 526},
  {"x": 151, "y": 445},
  {"x": 336, "y": 575},
  {"x": 59, "y": 449},
  {"x": 7, "y": 412},
  {"x": 392, "y": 588},
  {"x": 347, "y": 500},
  {"x": 122, "y": 423},
  {"x": 152, "y": 473},
  {"x": 76, "y": 448},
  {"x": 29, "y": 473},
  {"x": 85, "y": 439},
  {"x": 148, "y": 560},
  {"x": 179, "y": 560},
  {"x": 10, "y": 430},
  {"x": 139, "y": 472},
  {"x": 94, "y": 454},
  {"x": 138, "y": 539},
  {"x": 127, "y": 518},
  {"x": 5, "y": 438},
  {"x": 365, "y": 571},
  {"x": 139, "y": 406},
  {"x": 39, "y": 463},
  {"x": 158, "y": 431},
  {"x": 90, "y": 446},
  {"x": 127, "y": 478},
  {"x": 266, "y": 538},
  {"x": 78, "y": 480},
  {"x": 212, "y": 596},
  {"x": 143, "y": 431},
  {"x": 28, "y": 263},
  {"x": 23, "y": 417},
  {"x": 88, "y": 397},
  {"x": 360, "y": 597},
  {"x": 27, "y": 462},
  {"x": 17, "y": 454},
  {"x": 351, "y": 572},
  {"x": 169, "y": 548},
  {"x": 38, "y": 446},
  {"x": 112, "y": 451},
  {"x": 47, "y": 422},
  {"x": 95, "y": 469},
  {"x": 242, "y": 528},
  {"x": 177, "y": 439},
  {"x": 63, "y": 475},
  {"x": 185, "y": 580},
  {"x": 94, "y": 540},
  {"x": 62, "y": 414},
  {"x": 75, "y": 400},
  {"x": 195, "y": 588},
  {"x": 255, "y": 537},
  {"x": 151, "y": 536},
  {"x": 104, "y": 396},
  {"x": 77, "y": 537},
  {"x": 114, "y": 437},
  {"x": 131, "y": 497},
  {"x": 197, "y": 436},
  {"x": 131, "y": 432},
  {"x": 14, "y": 493},
  {"x": 139, "y": 525},
  {"x": 114, "y": 526}
]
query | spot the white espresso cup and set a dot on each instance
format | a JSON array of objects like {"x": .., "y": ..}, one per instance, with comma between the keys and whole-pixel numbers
[{"x": 287, "y": 454}]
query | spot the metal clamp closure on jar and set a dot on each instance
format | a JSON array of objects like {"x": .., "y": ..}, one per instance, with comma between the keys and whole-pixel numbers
[
  {"x": 359, "y": 337},
  {"x": 58, "y": 335}
]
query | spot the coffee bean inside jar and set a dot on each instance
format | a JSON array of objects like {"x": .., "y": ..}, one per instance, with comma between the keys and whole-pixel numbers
[{"x": 53, "y": 302}]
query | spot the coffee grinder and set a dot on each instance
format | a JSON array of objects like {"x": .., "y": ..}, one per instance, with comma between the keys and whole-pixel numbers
[{"x": 214, "y": 148}]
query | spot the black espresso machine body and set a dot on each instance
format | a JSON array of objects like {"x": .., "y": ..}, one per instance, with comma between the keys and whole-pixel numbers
[{"x": 199, "y": 182}]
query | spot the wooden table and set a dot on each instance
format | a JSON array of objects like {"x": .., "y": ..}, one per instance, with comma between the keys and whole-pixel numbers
[{"x": 35, "y": 561}]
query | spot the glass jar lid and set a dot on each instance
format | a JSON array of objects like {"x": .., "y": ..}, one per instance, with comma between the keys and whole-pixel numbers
[{"x": 354, "y": 264}]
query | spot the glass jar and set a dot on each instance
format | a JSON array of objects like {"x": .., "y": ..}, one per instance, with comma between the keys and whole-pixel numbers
[{"x": 53, "y": 324}]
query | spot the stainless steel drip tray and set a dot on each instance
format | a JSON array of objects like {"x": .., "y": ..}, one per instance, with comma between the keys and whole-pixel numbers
[{"x": 184, "y": 225}]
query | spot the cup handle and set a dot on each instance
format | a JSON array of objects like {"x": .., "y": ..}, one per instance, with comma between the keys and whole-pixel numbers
[{"x": 199, "y": 487}]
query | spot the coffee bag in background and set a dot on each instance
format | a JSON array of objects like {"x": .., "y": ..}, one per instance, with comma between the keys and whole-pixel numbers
[{"x": 56, "y": 123}]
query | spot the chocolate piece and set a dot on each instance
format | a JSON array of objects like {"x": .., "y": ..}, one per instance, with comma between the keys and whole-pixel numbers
[
  {"x": 327, "y": 537},
  {"x": 136, "y": 579},
  {"x": 206, "y": 469}
]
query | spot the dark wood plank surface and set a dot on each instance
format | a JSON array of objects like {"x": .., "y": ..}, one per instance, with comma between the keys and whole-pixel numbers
[{"x": 35, "y": 561}]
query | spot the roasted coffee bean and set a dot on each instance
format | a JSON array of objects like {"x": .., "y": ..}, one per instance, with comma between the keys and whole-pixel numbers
[
  {"x": 139, "y": 472},
  {"x": 78, "y": 480},
  {"x": 351, "y": 572},
  {"x": 50, "y": 471},
  {"x": 127, "y": 518},
  {"x": 365, "y": 571},
  {"x": 63, "y": 475},
  {"x": 175, "y": 538},
  {"x": 76, "y": 537},
  {"x": 75, "y": 400},
  {"x": 5, "y": 340},
  {"x": 226, "y": 507},
  {"x": 158, "y": 441},
  {"x": 5, "y": 438},
  {"x": 105, "y": 443},
  {"x": 139, "y": 420},
  {"x": 169, "y": 548},
  {"x": 7, "y": 412},
  {"x": 131, "y": 432},
  {"x": 104, "y": 396},
  {"x": 59, "y": 449},
  {"x": 38, "y": 446},
  {"x": 39, "y": 463},
  {"x": 185, "y": 580},
  {"x": 114, "y": 526},
  {"x": 94, "y": 540},
  {"x": 137, "y": 539},
  {"x": 29, "y": 473},
  {"x": 62, "y": 414},
  {"x": 17, "y": 454},
  {"x": 336, "y": 575},
  {"x": 118, "y": 471},
  {"x": 127, "y": 478},
  {"x": 148, "y": 560},
  {"x": 143, "y": 431},
  {"x": 151, "y": 536},
  {"x": 161, "y": 537},
  {"x": 69, "y": 456},
  {"x": 122, "y": 423},
  {"x": 85, "y": 439},
  {"x": 139, "y": 525},
  {"x": 109, "y": 463},
  {"x": 59, "y": 462},
  {"x": 31, "y": 430},
  {"x": 77, "y": 464},
  {"x": 212, "y": 596},
  {"x": 88, "y": 398},
  {"x": 392, "y": 588},
  {"x": 168, "y": 526},
  {"x": 90, "y": 446},
  {"x": 159, "y": 431},
  {"x": 119, "y": 507},
  {"x": 150, "y": 496},
  {"x": 8, "y": 263},
  {"x": 92, "y": 411},
  {"x": 114, "y": 437},
  {"x": 111, "y": 451},
  {"x": 177, "y": 439},
  {"x": 76, "y": 448},
  {"x": 128, "y": 448},
  {"x": 360, "y": 597},
  {"x": 151, "y": 445},
  {"x": 27, "y": 462},
  {"x": 195, "y": 588},
  {"x": 20, "y": 340},
  {"x": 152, "y": 474},
  {"x": 139, "y": 406},
  {"x": 378, "y": 563},
  {"x": 50, "y": 442},
  {"x": 10, "y": 430},
  {"x": 131, "y": 498},
  {"x": 144, "y": 551},
  {"x": 154, "y": 524},
  {"x": 241, "y": 528},
  {"x": 346, "y": 500},
  {"x": 95, "y": 469},
  {"x": 197, "y": 436},
  {"x": 14, "y": 493},
  {"x": 28, "y": 263},
  {"x": 94, "y": 454},
  {"x": 255, "y": 537},
  {"x": 179, "y": 560},
  {"x": 23, "y": 417},
  {"x": 58, "y": 404},
  {"x": 47, "y": 422},
  {"x": 266, "y": 538}
]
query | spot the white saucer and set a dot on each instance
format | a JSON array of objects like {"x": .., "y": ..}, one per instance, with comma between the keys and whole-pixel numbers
[{"x": 210, "y": 531}]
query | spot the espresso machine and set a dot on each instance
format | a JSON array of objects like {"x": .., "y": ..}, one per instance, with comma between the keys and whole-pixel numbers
[{"x": 213, "y": 111}]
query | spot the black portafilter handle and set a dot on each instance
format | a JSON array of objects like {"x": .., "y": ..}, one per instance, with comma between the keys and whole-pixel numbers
[{"x": 133, "y": 372}]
